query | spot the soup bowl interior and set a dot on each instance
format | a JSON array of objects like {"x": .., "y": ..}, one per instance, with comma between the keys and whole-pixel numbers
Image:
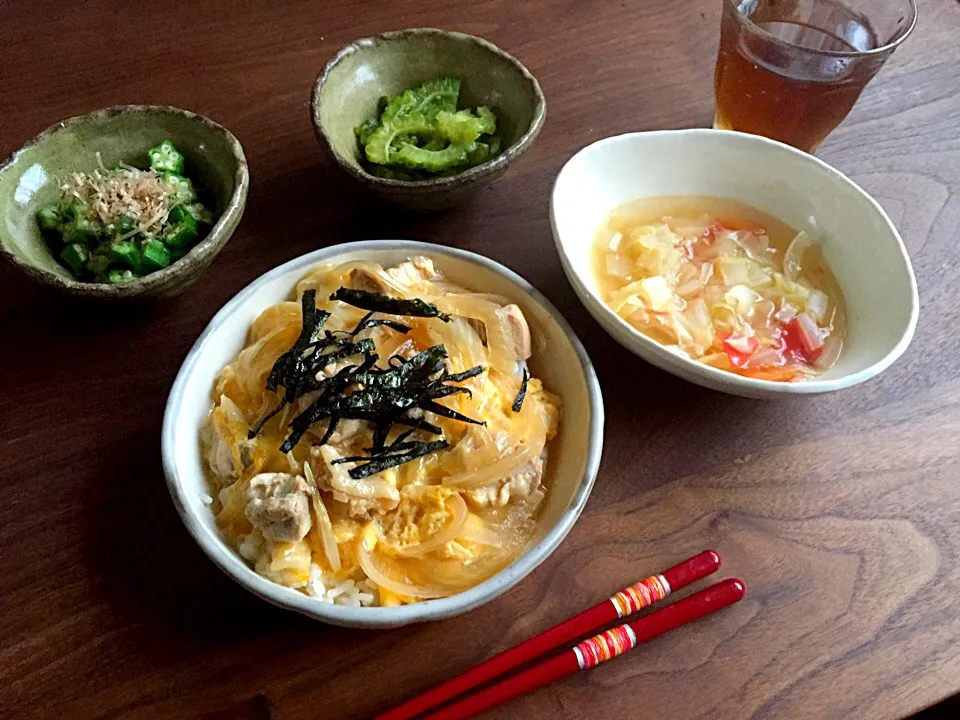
[
  {"x": 558, "y": 359},
  {"x": 859, "y": 242}
]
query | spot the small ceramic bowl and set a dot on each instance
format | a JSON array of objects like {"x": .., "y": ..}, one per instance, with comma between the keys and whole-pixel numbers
[
  {"x": 859, "y": 242},
  {"x": 28, "y": 181},
  {"x": 559, "y": 360},
  {"x": 348, "y": 89}
]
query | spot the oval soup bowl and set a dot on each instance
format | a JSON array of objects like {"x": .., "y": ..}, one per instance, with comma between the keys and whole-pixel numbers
[
  {"x": 558, "y": 359},
  {"x": 859, "y": 242}
]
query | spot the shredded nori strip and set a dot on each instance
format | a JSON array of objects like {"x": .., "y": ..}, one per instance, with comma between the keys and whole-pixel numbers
[
  {"x": 518, "y": 401},
  {"x": 398, "y": 394},
  {"x": 369, "y": 321},
  {"x": 389, "y": 305},
  {"x": 383, "y": 462}
]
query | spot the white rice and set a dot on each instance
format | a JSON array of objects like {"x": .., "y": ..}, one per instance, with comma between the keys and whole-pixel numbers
[
  {"x": 325, "y": 588},
  {"x": 206, "y": 499},
  {"x": 340, "y": 592},
  {"x": 250, "y": 547}
]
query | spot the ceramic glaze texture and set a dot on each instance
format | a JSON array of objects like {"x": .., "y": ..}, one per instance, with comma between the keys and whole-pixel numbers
[
  {"x": 347, "y": 91},
  {"x": 558, "y": 359},
  {"x": 28, "y": 181},
  {"x": 859, "y": 241}
]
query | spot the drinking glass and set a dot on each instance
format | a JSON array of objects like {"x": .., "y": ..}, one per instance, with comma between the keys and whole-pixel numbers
[{"x": 791, "y": 70}]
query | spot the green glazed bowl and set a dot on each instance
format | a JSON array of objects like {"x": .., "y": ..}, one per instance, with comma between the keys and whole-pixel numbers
[
  {"x": 347, "y": 91},
  {"x": 28, "y": 181}
]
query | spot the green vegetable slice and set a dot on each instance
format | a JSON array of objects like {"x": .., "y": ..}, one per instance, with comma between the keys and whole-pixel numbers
[
  {"x": 380, "y": 147},
  {"x": 166, "y": 158},
  {"x": 80, "y": 231},
  {"x": 122, "y": 225},
  {"x": 464, "y": 126},
  {"x": 98, "y": 263},
  {"x": 48, "y": 218},
  {"x": 418, "y": 158},
  {"x": 119, "y": 277},
  {"x": 181, "y": 187},
  {"x": 366, "y": 129},
  {"x": 156, "y": 256},
  {"x": 200, "y": 213},
  {"x": 75, "y": 256},
  {"x": 126, "y": 252},
  {"x": 432, "y": 97}
]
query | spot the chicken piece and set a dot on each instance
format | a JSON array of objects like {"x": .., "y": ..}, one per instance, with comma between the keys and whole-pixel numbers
[
  {"x": 364, "y": 497},
  {"x": 522, "y": 485},
  {"x": 518, "y": 327},
  {"x": 410, "y": 275},
  {"x": 278, "y": 505},
  {"x": 365, "y": 280},
  {"x": 414, "y": 272},
  {"x": 219, "y": 455},
  {"x": 347, "y": 431},
  {"x": 519, "y": 330}
]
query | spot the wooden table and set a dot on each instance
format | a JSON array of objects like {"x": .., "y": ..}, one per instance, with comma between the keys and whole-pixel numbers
[{"x": 841, "y": 512}]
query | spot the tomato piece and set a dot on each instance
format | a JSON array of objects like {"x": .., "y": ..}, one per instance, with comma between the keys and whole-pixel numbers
[
  {"x": 739, "y": 348},
  {"x": 801, "y": 338},
  {"x": 719, "y": 225}
]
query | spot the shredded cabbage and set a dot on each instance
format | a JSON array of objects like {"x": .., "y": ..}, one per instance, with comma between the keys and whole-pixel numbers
[{"x": 692, "y": 282}]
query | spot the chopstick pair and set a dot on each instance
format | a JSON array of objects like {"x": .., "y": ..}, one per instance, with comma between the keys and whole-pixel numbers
[{"x": 588, "y": 653}]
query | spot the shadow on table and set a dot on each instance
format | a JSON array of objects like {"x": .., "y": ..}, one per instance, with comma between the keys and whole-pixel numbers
[
  {"x": 949, "y": 709},
  {"x": 151, "y": 571}
]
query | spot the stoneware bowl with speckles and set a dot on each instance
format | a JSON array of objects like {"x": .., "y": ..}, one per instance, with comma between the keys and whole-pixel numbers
[
  {"x": 28, "y": 180},
  {"x": 347, "y": 91},
  {"x": 559, "y": 359}
]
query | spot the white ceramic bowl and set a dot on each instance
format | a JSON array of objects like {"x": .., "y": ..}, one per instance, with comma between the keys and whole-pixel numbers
[
  {"x": 859, "y": 241},
  {"x": 574, "y": 458}
]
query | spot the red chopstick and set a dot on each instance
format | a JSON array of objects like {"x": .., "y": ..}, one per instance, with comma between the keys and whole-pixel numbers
[
  {"x": 597, "y": 649},
  {"x": 627, "y": 601}
]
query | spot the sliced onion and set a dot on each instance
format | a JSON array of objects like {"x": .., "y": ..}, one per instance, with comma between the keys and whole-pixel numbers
[
  {"x": 505, "y": 466},
  {"x": 462, "y": 342},
  {"x": 324, "y": 526},
  {"x": 689, "y": 288},
  {"x": 764, "y": 357},
  {"x": 755, "y": 246},
  {"x": 340, "y": 480},
  {"x": 618, "y": 266},
  {"x": 458, "y": 516},
  {"x": 793, "y": 259},
  {"x": 477, "y": 531},
  {"x": 379, "y": 572},
  {"x": 831, "y": 353},
  {"x": 817, "y": 302},
  {"x": 500, "y": 343}
]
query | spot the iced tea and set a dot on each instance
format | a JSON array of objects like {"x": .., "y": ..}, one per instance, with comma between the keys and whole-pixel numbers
[{"x": 791, "y": 70}]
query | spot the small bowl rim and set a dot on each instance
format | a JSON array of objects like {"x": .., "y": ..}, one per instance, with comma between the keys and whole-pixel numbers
[
  {"x": 210, "y": 245},
  {"x": 231, "y": 564},
  {"x": 714, "y": 378},
  {"x": 505, "y": 157}
]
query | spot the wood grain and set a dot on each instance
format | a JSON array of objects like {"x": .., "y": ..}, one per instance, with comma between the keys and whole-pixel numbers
[{"x": 841, "y": 513}]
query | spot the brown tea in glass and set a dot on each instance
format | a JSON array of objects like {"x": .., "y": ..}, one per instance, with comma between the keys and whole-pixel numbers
[{"x": 791, "y": 70}]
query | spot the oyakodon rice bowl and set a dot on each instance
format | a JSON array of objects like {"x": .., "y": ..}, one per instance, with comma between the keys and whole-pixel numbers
[{"x": 387, "y": 443}]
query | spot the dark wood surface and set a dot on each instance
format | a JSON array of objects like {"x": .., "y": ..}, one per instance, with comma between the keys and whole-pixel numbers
[{"x": 841, "y": 512}]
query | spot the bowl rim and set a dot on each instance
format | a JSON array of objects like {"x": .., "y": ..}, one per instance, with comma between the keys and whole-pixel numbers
[
  {"x": 379, "y": 617},
  {"x": 505, "y": 157},
  {"x": 714, "y": 378},
  {"x": 207, "y": 247}
]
